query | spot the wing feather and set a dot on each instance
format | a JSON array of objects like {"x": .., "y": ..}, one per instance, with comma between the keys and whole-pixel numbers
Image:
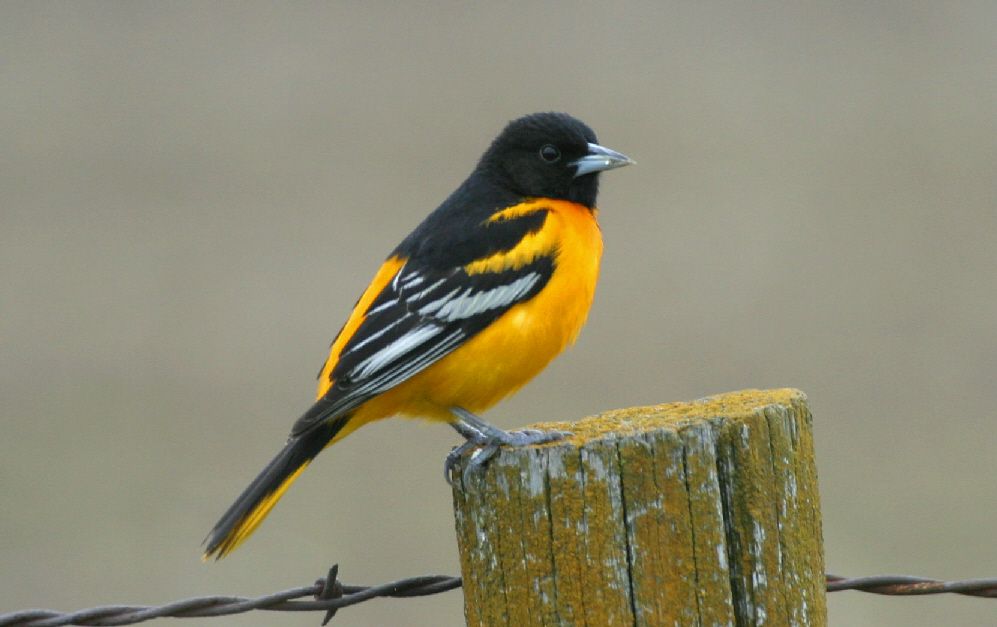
[{"x": 420, "y": 317}]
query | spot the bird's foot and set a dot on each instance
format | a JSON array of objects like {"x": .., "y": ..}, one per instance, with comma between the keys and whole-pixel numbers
[{"x": 487, "y": 439}]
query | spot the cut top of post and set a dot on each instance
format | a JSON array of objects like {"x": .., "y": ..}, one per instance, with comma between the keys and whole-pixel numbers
[
  {"x": 633, "y": 420},
  {"x": 697, "y": 513}
]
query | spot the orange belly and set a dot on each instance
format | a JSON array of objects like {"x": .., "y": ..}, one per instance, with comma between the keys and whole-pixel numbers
[{"x": 515, "y": 348}]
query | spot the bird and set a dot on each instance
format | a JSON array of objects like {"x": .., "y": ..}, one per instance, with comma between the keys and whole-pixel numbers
[{"x": 476, "y": 301}]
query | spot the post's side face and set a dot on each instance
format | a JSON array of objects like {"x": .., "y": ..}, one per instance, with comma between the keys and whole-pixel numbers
[{"x": 702, "y": 513}]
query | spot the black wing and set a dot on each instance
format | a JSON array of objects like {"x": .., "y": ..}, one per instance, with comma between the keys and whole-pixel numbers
[{"x": 421, "y": 316}]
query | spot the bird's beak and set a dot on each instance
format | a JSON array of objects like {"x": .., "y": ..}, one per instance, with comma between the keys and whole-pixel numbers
[{"x": 600, "y": 158}]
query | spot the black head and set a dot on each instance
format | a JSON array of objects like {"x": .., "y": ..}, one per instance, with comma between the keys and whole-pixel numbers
[{"x": 550, "y": 155}]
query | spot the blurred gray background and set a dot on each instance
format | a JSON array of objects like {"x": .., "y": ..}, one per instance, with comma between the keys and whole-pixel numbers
[{"x": 193, "y": 195}]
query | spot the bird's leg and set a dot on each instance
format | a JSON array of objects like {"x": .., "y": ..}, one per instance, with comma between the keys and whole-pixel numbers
[
  {"x": 479, "y": 433},
  {"x": 472, "y": 427}
]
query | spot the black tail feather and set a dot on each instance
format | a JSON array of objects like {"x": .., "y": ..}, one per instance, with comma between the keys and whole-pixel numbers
[{"x": 238, "y": 521}]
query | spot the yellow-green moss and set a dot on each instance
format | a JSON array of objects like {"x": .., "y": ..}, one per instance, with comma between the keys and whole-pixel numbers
[
  {"x": 647, "y": 516},
  {"x": 621, "y": 422}
]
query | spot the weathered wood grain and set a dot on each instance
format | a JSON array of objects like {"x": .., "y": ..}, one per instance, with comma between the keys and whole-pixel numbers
[{"x": 701, "y": 513}]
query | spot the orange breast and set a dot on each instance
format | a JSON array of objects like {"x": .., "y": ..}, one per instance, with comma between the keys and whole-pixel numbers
[{"x": 516, "y": 347}]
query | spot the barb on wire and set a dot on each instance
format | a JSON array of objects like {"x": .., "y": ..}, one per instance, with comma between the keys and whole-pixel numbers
[{"x": 330, "y": 595}]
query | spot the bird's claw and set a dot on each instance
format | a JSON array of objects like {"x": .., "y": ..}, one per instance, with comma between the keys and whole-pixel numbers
[
  {"x": 488, "y": 445},
  {"x": 450, "y": 462},
  {"x": 478, "y": 460},
  {"x": 526, "y": 437}
]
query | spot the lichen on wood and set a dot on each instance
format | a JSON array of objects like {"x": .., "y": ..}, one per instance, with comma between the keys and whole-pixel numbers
[{"x": 701, "y": 513}]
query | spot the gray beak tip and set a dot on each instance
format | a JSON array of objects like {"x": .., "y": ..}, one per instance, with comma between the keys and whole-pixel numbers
[{"x": 600, "y": 159}]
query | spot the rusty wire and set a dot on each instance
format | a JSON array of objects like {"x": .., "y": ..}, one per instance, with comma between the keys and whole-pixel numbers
[
  {"x": 903, "y": 585},
  {"x": 329, "y": 595}
]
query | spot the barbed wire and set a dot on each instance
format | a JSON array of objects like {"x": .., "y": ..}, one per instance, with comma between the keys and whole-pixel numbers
[
  {"x": 903, "y": 585},
  {"x": 330, "y": 595}
]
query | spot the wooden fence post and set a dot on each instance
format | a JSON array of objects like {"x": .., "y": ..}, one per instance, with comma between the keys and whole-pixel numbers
[{"x": 701, "y": 513}]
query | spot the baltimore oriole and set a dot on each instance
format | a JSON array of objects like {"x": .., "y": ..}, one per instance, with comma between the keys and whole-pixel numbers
[{"x": 474, "y": 303}]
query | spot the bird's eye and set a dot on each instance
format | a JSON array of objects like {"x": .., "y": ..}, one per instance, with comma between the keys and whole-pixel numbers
[{"x": 550, "y": 153}]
